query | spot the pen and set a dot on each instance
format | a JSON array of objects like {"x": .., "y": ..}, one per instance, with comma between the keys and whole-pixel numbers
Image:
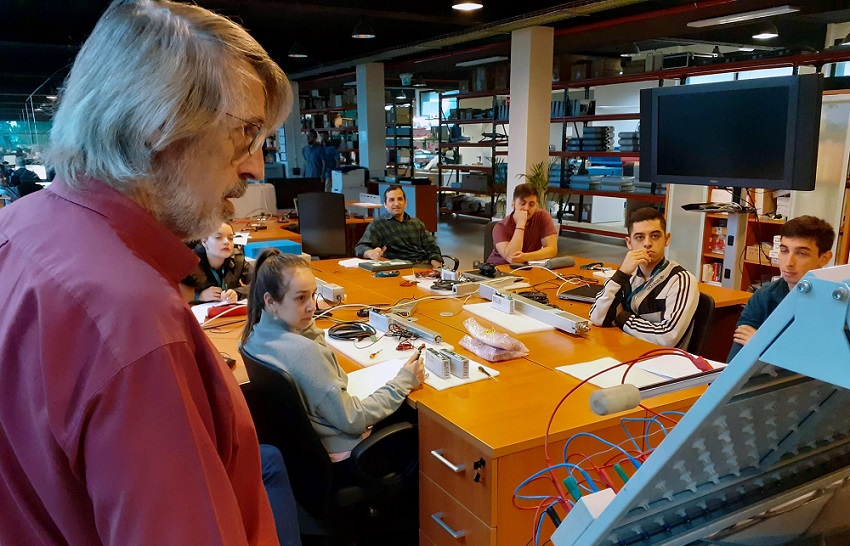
[{"x": 483, "y": 370}]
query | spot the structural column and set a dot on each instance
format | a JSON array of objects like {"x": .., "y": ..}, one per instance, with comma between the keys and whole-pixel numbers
[
  {"x": 293, "y": 139},
  {"x": 371, "y": 118},
  {"x": 531, "y": 98}
]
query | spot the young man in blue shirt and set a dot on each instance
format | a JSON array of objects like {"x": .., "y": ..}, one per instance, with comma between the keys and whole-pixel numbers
[{"x": 806, "y": 244}]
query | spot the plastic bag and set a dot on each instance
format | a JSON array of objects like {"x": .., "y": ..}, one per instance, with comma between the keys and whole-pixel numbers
[
  {"x": 492, "y": 337},
  {"x": 488, "y": 352},
  {"x": 490, "y": 344}
]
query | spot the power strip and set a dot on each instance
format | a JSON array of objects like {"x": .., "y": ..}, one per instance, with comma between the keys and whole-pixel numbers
[{"x": 562, "y": 320}]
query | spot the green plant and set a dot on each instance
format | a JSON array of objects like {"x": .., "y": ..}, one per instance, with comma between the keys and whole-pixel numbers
[{"x": 538, "y": 177}]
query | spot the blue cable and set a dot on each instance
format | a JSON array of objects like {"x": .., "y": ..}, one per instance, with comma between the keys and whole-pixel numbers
[
  {"x": 634, "y": 461},
  {"x": 545, "y": 470}
]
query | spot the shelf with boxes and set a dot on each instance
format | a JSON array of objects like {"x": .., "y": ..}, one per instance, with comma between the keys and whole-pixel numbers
[
  {"x": 399, "y": 138},
  {"x": 593, "y": 163},
  {"x": 336, "y": 115},
  {"x": 477, "y": 128}
]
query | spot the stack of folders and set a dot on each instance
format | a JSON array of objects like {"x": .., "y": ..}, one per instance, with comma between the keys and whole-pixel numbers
[
  {"x": 617, "y": 183},
  {"x": 593, "y": 139},
  {"x": 629, "y": 141},
  {"x": 585, "y": 181}
]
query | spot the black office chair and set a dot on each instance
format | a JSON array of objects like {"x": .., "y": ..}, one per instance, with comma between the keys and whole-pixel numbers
[
  {"x": 384, "y": 500},
  {"x": 488, "y": 239},
  {"x": 700, "y": 324},
  {"x": 322, "y": 220}
]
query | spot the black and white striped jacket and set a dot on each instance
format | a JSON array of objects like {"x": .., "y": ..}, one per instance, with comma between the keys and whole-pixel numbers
[{"x": 660, "y": 312}]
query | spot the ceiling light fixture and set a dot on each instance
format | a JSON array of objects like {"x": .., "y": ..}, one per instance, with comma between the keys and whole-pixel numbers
[
  {"x": 467, "y": 5},
  {"x": 363, "y": 31},
  {"x": 297, "y": 52},
  {"x": 485, "y": 60},
  {"x": 52, "y": 97},
  {"x": 846, "y": 40},
  {"x": 746, "y": 49},
  {"x": 746, "y": 16},
  {"x": 419, "y": 83},
  {"x": 766, "y": 32}
]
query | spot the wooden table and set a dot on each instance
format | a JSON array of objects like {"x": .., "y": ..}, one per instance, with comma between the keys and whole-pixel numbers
[{"x": 502, "y": 422}]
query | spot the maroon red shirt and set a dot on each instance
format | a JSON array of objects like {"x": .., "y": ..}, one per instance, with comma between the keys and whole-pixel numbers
[
  {"x": 537, "y": 228},
  {"x": 119, "y": 421}
]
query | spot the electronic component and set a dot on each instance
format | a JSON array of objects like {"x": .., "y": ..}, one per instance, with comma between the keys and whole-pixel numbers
[
  {"x": 329, "y": 291},
  {"x": 502, "y": 302},
  {"x": 420, "y": 331},
  {"x": 384, "y": 274},
  {"x": 464, "y": 288},
  {"x": 437, "y": 363},
  {"x": 380, "y": 321},
  {"x": 459, "y": 364},
  {"x": 449, "y": 275},
  {"x": 562, "y": 320}
]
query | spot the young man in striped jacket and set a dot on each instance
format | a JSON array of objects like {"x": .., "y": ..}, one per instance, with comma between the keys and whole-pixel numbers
[{"x": 649, "y": 297}]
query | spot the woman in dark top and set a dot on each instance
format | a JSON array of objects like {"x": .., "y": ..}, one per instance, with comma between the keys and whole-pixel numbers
[{"x": 221, "y": 275}]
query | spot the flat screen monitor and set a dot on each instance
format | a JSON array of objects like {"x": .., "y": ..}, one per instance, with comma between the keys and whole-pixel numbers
[
  {"x": 286, "y": 189},
  {"x": 759, "y": 133}
]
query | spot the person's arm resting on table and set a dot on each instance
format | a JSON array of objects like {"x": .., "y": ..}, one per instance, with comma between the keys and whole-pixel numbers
[
  {"x": 367, "y": 248},
  {"x": 681, "y": 300}
]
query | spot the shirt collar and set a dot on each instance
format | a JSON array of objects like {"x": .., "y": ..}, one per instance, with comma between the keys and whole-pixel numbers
[
  {"x": 139, "y": 230},
  {"x": 389, "y": 216}
]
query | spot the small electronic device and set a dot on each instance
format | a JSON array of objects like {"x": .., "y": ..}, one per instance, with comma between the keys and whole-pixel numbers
[
  {"x": 437, "y": 363},
  {"x": 384, "y": 265},
  {"x": 458, "y": 364},
  {"x": 330, "y": 292},
  {"x": 585, "y": 293},
  {"x": 383, "y": 274},
  {"x": 503, "y": 302}
]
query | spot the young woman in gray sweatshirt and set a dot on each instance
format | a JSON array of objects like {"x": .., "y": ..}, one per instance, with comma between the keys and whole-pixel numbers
[{"x": 280, "y": 332}]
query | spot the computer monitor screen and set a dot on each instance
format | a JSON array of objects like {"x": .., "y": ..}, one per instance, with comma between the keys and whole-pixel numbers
[
  {"x": 750, "y": 133},
  {"x": 286, "y": 189}
]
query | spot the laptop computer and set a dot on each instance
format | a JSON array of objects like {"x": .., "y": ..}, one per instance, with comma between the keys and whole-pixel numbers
[
  {"x": 385, "y": 265},
  {"x": 585, "y": 293}
]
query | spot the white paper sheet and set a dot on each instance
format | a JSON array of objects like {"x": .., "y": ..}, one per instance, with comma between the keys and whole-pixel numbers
[
  {"x": 425, "y": 284},
  {"x": 241, "y": 238},
  {"x": 352, "y": 262},
  {"x": 605, "y": 274},
  {"x": 673, "y": 366},
  {"x": 515, "y": 322},
  {"x": 362, "y": 383},
  {"x": 636, "y": 376}
]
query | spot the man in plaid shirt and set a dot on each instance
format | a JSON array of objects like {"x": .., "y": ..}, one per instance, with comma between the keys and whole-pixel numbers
[{"x": 396, "y": 235}]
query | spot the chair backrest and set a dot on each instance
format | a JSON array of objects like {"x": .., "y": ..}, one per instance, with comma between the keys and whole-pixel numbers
[
  {"x": 488, "y": 240},
  {"x": 281, "y": 420},
  {"x": 322, "y": 220},
  {"x": 700, "y": 323}
]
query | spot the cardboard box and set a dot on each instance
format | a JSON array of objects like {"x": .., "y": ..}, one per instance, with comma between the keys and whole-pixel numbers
[
  {"x": 604, "y": 68},
  {"x": 580, "y": 70},
  {"x": 474, "y": 182}
]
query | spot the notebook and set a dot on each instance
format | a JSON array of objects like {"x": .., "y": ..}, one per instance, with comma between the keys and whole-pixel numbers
[
  {"x": 385, "y": 265},
  {"x": 585, "y": 293}
]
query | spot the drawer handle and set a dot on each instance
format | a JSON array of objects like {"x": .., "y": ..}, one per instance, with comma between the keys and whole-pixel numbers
[
  {"x": 438, "y": 454},
  {"x": 438, "y": 517}
]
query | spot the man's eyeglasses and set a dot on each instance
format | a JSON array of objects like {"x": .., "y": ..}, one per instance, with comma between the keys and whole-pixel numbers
[{"x": 252, "y": 131}]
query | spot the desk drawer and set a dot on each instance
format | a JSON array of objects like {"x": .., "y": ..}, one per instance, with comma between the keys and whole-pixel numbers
[
  {"x": 449, "y": 460},
  {"x": 446, "y": 523}
]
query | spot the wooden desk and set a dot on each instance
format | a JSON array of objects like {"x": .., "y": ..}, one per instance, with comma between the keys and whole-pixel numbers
[{"x": 501, "y": 422}]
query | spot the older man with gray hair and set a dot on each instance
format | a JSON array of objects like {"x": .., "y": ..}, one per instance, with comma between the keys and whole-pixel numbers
[{"x": 119, "y": 421}]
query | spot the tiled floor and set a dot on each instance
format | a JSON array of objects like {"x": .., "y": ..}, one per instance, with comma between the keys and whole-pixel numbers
[{"x": 464, "y": 238}]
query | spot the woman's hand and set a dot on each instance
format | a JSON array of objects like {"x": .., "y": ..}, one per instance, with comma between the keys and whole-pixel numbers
[
  {"x": 213, "y": 293},
  {"x": 416, "y": 366},
  {"x": 230, "y": 296}
]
